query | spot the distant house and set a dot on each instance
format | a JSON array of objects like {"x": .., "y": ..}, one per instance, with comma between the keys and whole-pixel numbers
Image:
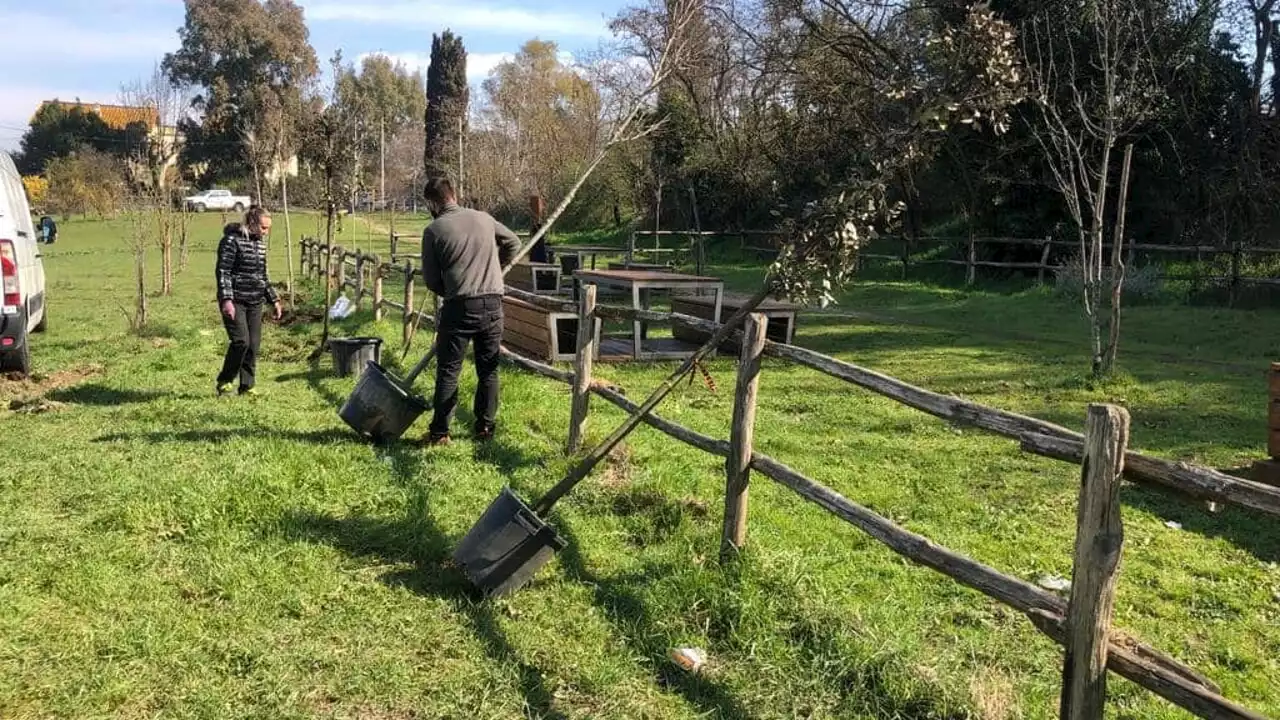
[
  {"x": 120, "y": 117},
  {"x": 116, "y": 117}
]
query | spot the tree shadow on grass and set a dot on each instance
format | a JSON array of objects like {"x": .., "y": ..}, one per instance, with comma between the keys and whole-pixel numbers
[
  {"x": 98, "y": 395},
  {"x": 1249, "y": 530},
  {"x": 417, "y": 540},
  {"x": 622, "y": 600},
  {"x": 329, "y": 436},
  {"x": 861, "y": 676}
]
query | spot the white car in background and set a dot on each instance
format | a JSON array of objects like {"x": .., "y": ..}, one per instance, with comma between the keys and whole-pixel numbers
[
  {"x": 217, "y": 200},
  {"x": 22, "y": 299}
]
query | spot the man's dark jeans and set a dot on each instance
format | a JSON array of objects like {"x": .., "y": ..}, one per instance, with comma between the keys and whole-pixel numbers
[
  {"x": 463, "y": 320},
  {"x": 245, "y": 334}
]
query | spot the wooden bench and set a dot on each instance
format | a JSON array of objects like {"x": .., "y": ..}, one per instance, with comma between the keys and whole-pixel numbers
[
  {"x": 539, "y": 333},
  {"x": 782, "y": 317},
  {"x": 535, "y": 277}
]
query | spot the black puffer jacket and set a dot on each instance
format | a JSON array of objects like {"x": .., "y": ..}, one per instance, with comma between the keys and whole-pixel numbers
[{"x": 242, "y": 268}]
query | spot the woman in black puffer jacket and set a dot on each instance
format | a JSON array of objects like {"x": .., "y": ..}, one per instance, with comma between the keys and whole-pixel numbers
[{"x": 243, "y": 287}]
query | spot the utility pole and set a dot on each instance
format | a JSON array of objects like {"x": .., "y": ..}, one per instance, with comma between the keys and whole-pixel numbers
[{"x": 382, "y": 159}]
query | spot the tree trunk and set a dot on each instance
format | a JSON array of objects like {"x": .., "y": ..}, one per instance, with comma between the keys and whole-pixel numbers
[
  {"x": 183, "y": 252},
  {"x": 1118, "y": 268},
  {"x": 1093, "y": 264},
  {"x": 140, "y": 272},
  {"x": 166, "y": 257},
  {"x": 288, "y": 231}
]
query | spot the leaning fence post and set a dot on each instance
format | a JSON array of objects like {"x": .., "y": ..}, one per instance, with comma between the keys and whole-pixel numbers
[
  {"x": 584, "y": 355},
  {"x": 407, "y": 330},
  {"x": 741, "y": 437},
  {"x": 377, "y": 287},
  {"x": 1099, "y": 540}
]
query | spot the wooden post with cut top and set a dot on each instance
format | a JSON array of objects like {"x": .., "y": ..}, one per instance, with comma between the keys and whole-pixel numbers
[
  {"x": 585, "y": 350},
  {"x": 1099, "y": 540},
  {"x": 741, "y": 437}
]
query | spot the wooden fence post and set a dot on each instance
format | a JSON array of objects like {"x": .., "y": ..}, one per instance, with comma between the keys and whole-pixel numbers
[
  {"x": 360, "y": 269},
  {"x": 407, "y": 329},
  {"x": 395, "y": 243},
  {"x": 971, "y": 269},
  {"x": 1236, "y": 261},
  {"x": 585, "y": 350},
  {"x": 1099, "y": 540},
  {"x": 1044, "y": 259},
  {"x": 377, "y": 287},
  {"x": 741, "y": 437}
]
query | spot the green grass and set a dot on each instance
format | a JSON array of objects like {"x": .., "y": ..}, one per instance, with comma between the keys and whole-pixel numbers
[{"x": 167, "y": 553}]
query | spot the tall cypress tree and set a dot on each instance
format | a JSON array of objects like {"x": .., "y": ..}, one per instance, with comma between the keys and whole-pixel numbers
[{"x": 447, "y": 96}]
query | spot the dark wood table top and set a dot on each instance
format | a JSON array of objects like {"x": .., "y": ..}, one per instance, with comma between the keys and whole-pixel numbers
[{"x": 645, "y": 276}]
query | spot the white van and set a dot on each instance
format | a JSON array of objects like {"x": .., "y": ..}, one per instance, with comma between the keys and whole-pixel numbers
[{"x": 21, "y": 273}]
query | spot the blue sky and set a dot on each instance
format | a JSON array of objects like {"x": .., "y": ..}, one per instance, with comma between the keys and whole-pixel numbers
[{"x": 89, "y": 48}]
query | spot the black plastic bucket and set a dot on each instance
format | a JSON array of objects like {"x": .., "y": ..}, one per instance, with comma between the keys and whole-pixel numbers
[
  {"x": 507, "y": 546},
  {"x": 379, "y": 407},
  {"x": 351, "y": 355}
]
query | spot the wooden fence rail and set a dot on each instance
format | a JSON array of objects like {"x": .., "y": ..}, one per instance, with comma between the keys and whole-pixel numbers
[{"x": 1081, "y": 625}]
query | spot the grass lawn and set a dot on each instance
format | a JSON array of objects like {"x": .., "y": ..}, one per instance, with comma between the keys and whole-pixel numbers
[{"x": 167, "y": 553}]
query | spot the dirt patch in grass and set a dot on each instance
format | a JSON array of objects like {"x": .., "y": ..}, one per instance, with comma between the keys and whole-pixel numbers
[
  {"x": 16, "y": 392},
  {"x": 35, "y": 406}
]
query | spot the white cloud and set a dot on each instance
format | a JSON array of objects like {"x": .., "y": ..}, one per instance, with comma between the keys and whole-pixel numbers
[
  {"x": 19, "y": 103},
  {"x": 460, "y": 17},
  {"x": 56, "y": 40}
]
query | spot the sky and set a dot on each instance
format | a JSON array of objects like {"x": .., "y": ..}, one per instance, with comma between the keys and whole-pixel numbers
[{"x": 87, "y": 49}]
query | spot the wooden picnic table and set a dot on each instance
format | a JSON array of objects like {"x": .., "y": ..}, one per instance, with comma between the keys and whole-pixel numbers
[
  {"x": 640, "y": 284},
  {"x": 581, "y": 253}
]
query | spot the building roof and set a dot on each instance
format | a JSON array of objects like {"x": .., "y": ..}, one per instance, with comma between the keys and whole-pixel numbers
[{"x": 117, "y": 117}]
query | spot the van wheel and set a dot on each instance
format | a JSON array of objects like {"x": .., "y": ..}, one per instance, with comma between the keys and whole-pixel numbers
[
  {"x": 239, "y": 208},
  {"x": 17, "y": 362},
  {"x": 198, "y": 207},
  {"x": 44, "y": 323}
]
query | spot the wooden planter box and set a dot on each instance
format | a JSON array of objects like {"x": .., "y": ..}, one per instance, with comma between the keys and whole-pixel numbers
[
  {"x": 538, "y": 333},
  {"x": 782, "y": 317},
  {"x": 535, "y": 277}
]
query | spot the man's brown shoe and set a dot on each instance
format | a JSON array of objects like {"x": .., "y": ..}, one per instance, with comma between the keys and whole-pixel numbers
[{"x": 436, "y": 440}]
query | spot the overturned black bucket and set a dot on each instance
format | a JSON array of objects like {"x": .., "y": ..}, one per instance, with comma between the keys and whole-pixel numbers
[
  {"x": 380, "y": 407},
  {"x": 351, "y": 355},
  {"x": 507, "y": 546}
]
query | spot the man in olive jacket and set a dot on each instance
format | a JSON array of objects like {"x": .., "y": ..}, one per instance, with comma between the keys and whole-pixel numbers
[{"x": 463, "y": 253}]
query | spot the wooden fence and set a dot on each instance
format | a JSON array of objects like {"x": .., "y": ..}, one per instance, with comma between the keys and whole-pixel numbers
[
  {"x": 1081, "y": 624},
  {"x": 965, "y": 252}
]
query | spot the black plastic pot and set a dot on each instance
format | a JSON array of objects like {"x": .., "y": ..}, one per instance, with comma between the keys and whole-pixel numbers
[
  {"x": 507, "y": 546},
  {"x": 379, "y": 407},
  {"x": 351, "y": 355}
]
